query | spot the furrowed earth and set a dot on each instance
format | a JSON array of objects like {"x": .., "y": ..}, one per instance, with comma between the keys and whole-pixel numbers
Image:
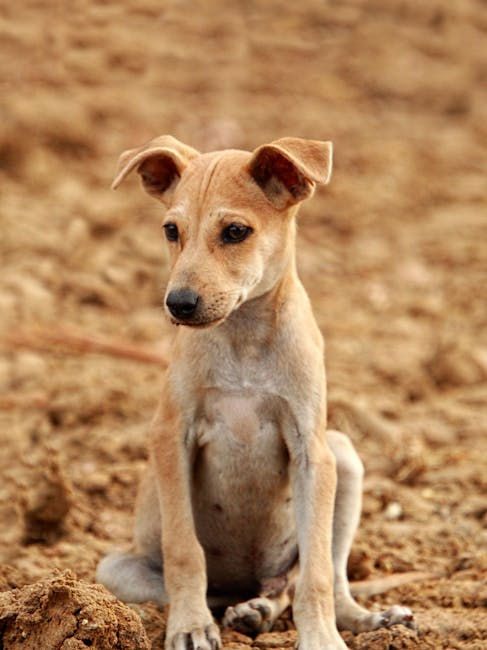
[{"x": 393, "y": 254}]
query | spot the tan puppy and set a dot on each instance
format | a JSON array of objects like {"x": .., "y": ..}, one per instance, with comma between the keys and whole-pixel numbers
[{"x": 242, "y": 478}]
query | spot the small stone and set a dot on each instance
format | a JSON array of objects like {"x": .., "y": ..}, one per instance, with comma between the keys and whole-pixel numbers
[{"x": 393, "y": 511}]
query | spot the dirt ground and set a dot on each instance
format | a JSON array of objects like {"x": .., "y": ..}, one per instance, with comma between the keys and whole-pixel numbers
[{"x": 393, "y": 254}]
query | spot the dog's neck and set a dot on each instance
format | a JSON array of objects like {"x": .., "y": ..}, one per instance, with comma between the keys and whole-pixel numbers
[{"x": 257, "y": 321}]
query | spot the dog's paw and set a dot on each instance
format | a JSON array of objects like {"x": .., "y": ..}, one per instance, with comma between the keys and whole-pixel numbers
[
  {"x": 204, "y": 638},
  {"x": 396, "y": 615},
  {"x": 251, "y": 617}
]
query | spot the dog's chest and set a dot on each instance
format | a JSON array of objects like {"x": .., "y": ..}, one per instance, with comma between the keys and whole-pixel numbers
[
  {"x": 235, "y": 423},
  {"x": 239, "y": 425},
  {"x": 241, "y": 489},
  {"x": 252, "y": 370}
]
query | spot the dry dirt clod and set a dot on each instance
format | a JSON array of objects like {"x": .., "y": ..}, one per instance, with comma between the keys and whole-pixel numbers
[
  {"x": 63, "y": 613},
  {"x": 395, "y": 638},
  {"x": 360, "y": 564},
  {"x": 273, "y": 640},
  {"x": 457, "y": 363},
  {"x": 46, "y": 499}
]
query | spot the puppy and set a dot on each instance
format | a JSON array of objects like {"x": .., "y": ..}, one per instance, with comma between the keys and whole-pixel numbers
[{"x": 248, "y": 501}]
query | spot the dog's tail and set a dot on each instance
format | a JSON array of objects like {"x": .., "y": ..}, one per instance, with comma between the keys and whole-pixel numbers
[{"x": 375, "y": 586}]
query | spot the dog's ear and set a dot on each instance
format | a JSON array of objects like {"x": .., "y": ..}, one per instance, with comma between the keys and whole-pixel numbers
[
  {"x": 288, "y": 169},
  {"x": 160, "y": 164}
]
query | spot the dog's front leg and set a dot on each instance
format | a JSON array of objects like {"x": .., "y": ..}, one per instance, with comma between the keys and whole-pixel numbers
[
  {"x": 190, "y": 623},
  {"x": 313, "y": 475}
]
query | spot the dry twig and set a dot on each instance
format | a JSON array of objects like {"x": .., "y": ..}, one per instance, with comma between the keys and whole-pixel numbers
[{"x": 69, "y": 341}]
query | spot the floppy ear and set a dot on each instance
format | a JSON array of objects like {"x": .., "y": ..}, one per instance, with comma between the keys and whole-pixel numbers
[
  {"x": 160, "y": 164},
  {"x": 288, "y": 169}
]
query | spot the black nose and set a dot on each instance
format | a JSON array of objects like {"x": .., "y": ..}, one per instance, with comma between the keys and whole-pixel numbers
[{"x": 182, "y": 303}]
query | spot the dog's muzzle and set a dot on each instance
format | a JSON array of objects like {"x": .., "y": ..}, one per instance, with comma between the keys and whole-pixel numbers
[{"x": 182, "y": 304}]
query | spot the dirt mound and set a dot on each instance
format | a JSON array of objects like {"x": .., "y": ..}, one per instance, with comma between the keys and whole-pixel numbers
[
  {"x": 62, "y": 613},
  {"x": 46, "y": 499}
]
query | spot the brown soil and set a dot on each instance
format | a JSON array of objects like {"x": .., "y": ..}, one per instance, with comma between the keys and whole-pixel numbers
[
  {"x": 394, "y": 255},
  {"x": 63, "y": 612}
]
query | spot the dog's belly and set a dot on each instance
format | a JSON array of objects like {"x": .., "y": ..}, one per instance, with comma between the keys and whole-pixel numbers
[{"x": 241, "y": 492}]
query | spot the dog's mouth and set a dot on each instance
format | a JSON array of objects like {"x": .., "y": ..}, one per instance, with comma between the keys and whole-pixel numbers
[
  {"x": 198, "y": 320},
  {"x": 200, "y": 324}
]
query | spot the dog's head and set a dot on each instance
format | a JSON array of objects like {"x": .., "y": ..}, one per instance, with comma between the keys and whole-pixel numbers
[{"x": 229, "y": 221}]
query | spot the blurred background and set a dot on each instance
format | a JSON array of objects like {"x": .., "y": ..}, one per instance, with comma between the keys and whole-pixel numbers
[{"x": 393, "y": 253}]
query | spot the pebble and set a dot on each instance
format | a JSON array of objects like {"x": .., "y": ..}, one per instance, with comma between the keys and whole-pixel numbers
[{"x": 393, "y": 511}]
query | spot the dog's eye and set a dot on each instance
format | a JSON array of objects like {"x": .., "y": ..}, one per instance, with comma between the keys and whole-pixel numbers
[
  {"x": 171, "y": 231},
  {"x": 235, "y": 232}
]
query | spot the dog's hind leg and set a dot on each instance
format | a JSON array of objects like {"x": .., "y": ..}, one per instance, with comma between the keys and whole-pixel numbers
[
  {"x": 259, "y": 614},
  {"x": 137, "y": 576},
  {"x": 132, "y": 578},
  {"x": 256, "y": 615},
  {"x": 348, "y": 503}
]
